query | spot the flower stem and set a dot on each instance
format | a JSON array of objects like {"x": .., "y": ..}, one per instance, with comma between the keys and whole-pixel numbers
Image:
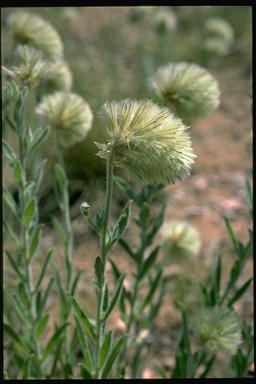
[
  {"x": 100, "y": 290},
  {"x": 67, "y": 218}
]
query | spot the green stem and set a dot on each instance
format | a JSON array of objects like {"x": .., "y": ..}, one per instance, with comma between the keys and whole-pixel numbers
[
  {"x": 100, "y": 290},
  {"x": 69, "y": 240},
  {"x": 67, "y": 218},
  {"x": 107, "y": 208}
]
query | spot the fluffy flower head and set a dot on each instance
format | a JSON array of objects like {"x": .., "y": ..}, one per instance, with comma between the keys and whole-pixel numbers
[
  {"x": 148, "y": 140},
  {"x": 33, "y": 30},
  {"x": 189, "y": 89},
  {"x": 181, "y": 240},
  {"x": 59, "y": 77},
  {"x": 69, "y": 114},
  {"x": 32, "y": 68},
  {"x": 217, "y": 329},
  {"x": 164, "y": 19},
  {"x": 219, "y": 28}
]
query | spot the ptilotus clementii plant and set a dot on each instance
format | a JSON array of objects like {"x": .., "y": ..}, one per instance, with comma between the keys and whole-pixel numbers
[
  {"x": 70, "y": 118},
  {"x": 29, "y": 357},
  {"x": 153, "y": 145}
]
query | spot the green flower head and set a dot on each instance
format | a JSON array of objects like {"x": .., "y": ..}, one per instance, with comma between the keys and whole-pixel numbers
[
  {"x": 30, "y": 29},
  {"x": 217, "y": 329},
  {"x": 181, "y": 240},
  {"x": 189, "y": 89},
  {"x": 67, "y": 113},
  {"x": 146, "y": 139}
]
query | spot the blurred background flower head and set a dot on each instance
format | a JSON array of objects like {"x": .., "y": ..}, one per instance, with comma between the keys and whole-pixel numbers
[
  {"x": 217, "y": 329},
  {"x": 180, "y": 240},
  {"x": 30, "y": 29},
  {"x": 67, "y": 113},
  {"x": 31, "y": 69},
  {"x": 187, "y": 88}
]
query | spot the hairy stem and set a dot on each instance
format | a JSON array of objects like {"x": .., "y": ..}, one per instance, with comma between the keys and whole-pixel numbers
[{"x": 100, "y": 290}]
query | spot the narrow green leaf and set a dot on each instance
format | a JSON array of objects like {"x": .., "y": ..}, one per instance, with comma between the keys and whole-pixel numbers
[
  {"x": 40, "y": 135},
  {"x": 64, "y": 303},
  {"x": 17, "y": 305},
  {"x": 68, "y": 371},
  {"x": 115, "y": 270},
  {"x": 9, "y": 201},
  {"x": 9, "y": 153},
  {"x": 105, "y": 297},
  {"x": 105, "y": 349},
  {"x": 29, "y": 212},
  {"x": 124, "y": 186},
  {"x": 23, "y": 295},
  {"x": 153, "y": 287},
  {"x": 83, "y": 318},
  {"x": 84, "y": 343},
  {"x": 144, "y": 214},
  {"x": 43, "y": 270},
  {"x": 16, "y": 338},
  {"x": 40, "y": 173},
  {"x": 249, "y": 195},
  {"x": 26, "y": 369},
  {"x": 120, "y": 225},
  {"x": 99, "y": 271},
  {"x": 57, "y": 357},
  {"x": 115, "y": 297},
  {"x": 239, "y": 292},
  {"x": 45, "y": 296},
  {"x": 75, "y": 283},
  {"x": 208, "y": 366},
  {"x": 84, "y": 372},
  {"x": 127, "y": 249},
  {"x": 231, "y": 234},
  {"x": 161, "y": 370},
  {"x": 59, "y": 229},
  {"x": 149, "y": 262},
  {"x": 41, "y": 325},
  {"x": 34, "y": 242},
  {"x": 155, "y": 227},
  {"x": 18, "y": 172},
  {"x": 53, "y": 341},
  {"x": 60, "y": 177},
  {"x": 15, "y": 266},
  {"x": 113, "y": 356},
  {"x": 217, "y": 277}
]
